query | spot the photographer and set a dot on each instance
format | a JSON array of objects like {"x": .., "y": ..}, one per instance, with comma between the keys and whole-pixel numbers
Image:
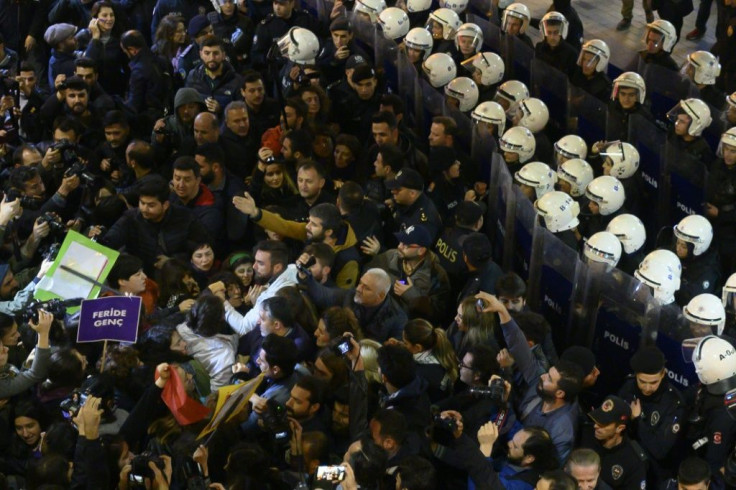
[
  {"x": 72, "y": 99},
  {"x": 90, "y": 467},
  {"x": 18, "y": 382}
]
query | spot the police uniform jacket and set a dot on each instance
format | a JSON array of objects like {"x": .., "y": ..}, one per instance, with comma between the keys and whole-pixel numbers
[
  {"x": 618, "y": 119},
  {"x": 599, "y": 86},
  {"x": 422, "y": 212},
  {"x": 700, "y": 274},
  {"x": 563, "y": 57},
  {"x": 657, "y": 429},
  {"x": 623, "y": 466}
]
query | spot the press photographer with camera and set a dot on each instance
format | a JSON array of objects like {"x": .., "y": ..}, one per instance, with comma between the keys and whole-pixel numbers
[{"x": 16, "y": 382}]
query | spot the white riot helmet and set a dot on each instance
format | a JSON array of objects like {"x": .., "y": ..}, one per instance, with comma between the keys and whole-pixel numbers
[
  {"x": 299, "y": 45},
  {"x": 660, "y": 276},
  {"x": 415, "y": 6},
  {"x": 669, "y": 258},
  {"x": 666, "y": 30},
  {"x": 457, "y": 6},
  {"x": 519, "y": 140},
  {"x": 394, "y": 22},
  {"x": 630, "y": 79},
  {"x": 537, "y": 175},
  {"x": 602, "y": 247},
  {"x": 697, "y": 110},
  {"x": 727, "y": 138},
  {"x": 448, "y": 19},
  {"x": 630, "y": 231},
  {"x": 470, "y": 30},
  {"x": 607, "y": 192},
  {"x": 520, "y": 11},
  {"x": 419, "y": 39},
  {"x": 534, "y": 114},
  {"x": 624, "y": 159},
  {"x": 489, "y": 64},
  {"x": 697, "y": 230},
  {"x": 729, "y": 293},
  {"x": 465, "y": 91},
  {"x": 705, "y": 67},
  {"x": 570, "y": 146},
  {"x": 440, "y": 69},
  {"x": 707, "y": 310},
  {"x": 370, "y": 7},
  {"x": 559, "y": 212},
  {"x": 555, "y": 19},
  {"x": 715, "y": 364},
  {"x": 511, "y": 91},
  {"x": 600, "y": 51},
  {"x": 491, "y": 113},
  {"x": 576, "y": 172}
]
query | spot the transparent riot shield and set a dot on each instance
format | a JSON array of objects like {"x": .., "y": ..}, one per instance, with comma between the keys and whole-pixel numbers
[
  {"x": 387, "y": 53},
  {"x": 364, "y": 34},
  {"x": 502, "y": 212},
  {"x": 433, "y": 104},
  {"x": 517, "y": 56},
  {"x": 551, "y": 85},
  {"x": 524, "y": 221},
  {"x": 407, "y": 74},
  {"x": 587, "y": 115},
  {"x": 673, "y": 329},
  {"x": 684, "y": 178},
  {"x": 483, "y": 151},
  {"x": 665, "y": 89},
  {"x": 552, "y": 274},
  {"x": 626, "y": 316},
  {"x": 712, "y": 133},
  {"x": 649, "y": 140},
  {"x": 491, "y": 32},
  {"x": 464, "y": 126},
  {"x": 316, "y": 8}
]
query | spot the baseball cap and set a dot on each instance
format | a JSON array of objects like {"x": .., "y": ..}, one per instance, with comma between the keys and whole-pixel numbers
[
  {"x": 406, "y": 177},
  {"x": 415, "y": 235},
  {"x": 613, "y": 409},
  {"x": 355, "y": 60}
]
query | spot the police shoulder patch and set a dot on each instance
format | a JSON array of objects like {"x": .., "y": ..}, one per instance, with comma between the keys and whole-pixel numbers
[
  {"x": 706, "y": 284},
  {"x": 675, "y": 428},
  {"x": 617, "y": 471},
  {"x": 717, "y": 437},
  {"x": 654, "y": 418}
]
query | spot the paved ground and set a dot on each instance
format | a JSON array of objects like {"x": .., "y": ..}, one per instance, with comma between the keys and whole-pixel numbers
[{"x": 601, "y": 16}]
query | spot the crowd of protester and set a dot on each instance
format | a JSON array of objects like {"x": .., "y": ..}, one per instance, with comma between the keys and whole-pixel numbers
[{"x": 284, "y": 221}]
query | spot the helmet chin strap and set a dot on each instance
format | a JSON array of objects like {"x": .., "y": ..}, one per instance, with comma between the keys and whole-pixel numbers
[{"x": 721, "y": 387}]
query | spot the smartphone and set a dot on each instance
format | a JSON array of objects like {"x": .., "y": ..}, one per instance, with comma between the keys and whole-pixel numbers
[
  {"x": 480, "y": 305},
  {"x": 344, "y": 347},
  {"x": 331, "y": 473}
]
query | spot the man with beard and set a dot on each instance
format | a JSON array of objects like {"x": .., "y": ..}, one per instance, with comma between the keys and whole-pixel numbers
[
  {"x": 215, "y": 79},
  {"x": 173, "y": 134},
  {"x": 623, "y": 462},
  {"x": 108, "y": 159},
  {"x": 549, "y": 400},
  {"x": 155, "y": 230},
  {"x": 238, "y": 141},
  {"x": 306, "y": 404},
  {"x": 61, "y": 39},
  {"x": 224, "y": 186},
  {"x": 310, "y": 180},
  {"x": 74, "y": 101},
  {"x": 271, "y": 272},
  {"x": 325, "y": 225},
  {"x": 657, "y": 410}
]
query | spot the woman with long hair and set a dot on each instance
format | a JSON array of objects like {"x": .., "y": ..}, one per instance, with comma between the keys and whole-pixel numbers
[
  {"x": 171, "y": 38},
  {"x": 271, "y": 183},
  {"x": 472, "y": 327},
  {"x": 434, "y": 356}
]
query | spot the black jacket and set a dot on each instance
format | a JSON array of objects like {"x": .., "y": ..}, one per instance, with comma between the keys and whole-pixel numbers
[
  {"x": 224, "y": 89},
  {"x": 174, "y": 235},
  {"x": 147, "y": 86}
]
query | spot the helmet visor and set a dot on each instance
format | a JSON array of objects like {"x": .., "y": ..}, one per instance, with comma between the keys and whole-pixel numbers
[
  {"x": 690, "y": 349},
  {"x": 597, "y": 255}
]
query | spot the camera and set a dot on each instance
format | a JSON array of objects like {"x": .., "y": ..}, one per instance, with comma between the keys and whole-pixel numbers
[
  {"x": 140, "y": 471},
  {"x": 55, "y": 224},
  {"x": 68, "y": 151},
  {"x": 304, "y": 269},
  {"x": 496, "y": 392},
  {"x": 70, "y": 406},
  {"x": 442, "y": 430},
  {"x": 276, "y": 422},
  {"x": 27, "y": 202},
  {"x": 8, "y": 84},
  {"x": 80, "y": 170},
  {"x": 56, "y": 307},
  {"x": 343, "y": 347}
]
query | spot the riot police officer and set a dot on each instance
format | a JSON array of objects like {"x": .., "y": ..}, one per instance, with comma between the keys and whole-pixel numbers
[
  {"x": 657, "y": 411},
  {"x": 276, "y": 24}
]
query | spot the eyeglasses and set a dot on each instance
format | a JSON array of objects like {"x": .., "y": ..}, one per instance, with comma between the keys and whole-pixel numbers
[{"x": 460, "y": 365}]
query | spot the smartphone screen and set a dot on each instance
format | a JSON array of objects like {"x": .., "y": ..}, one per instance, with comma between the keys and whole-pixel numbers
[{"x": 331, "y": 473}]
